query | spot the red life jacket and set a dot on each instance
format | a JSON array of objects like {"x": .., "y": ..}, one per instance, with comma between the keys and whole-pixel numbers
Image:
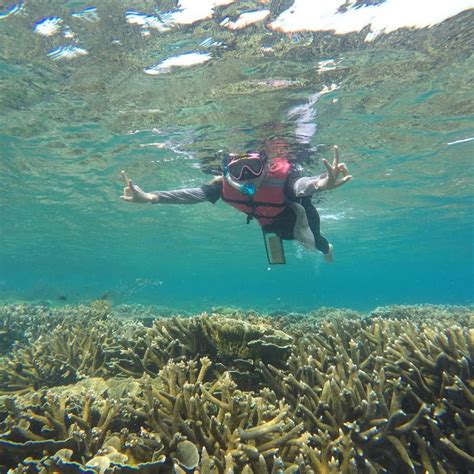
[{"x": 269, "y": 200}]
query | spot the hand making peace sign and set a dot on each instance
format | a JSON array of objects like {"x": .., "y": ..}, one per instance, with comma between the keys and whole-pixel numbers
[
  {"x": 133, "y": 192},
  {"x": 333, "y": 180}
]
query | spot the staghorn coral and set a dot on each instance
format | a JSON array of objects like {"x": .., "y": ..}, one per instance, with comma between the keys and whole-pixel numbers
[
  {"x": 300, "y": 323},
  {"x": 77, "y": 347},
  {"x": 234, "y": 344},
  {"x": 20, "y": 323},
  {"x": 180, "y": 422},
  {"x": 232, "y": 428},
  {"x": 383, "y": 394},
  {"x": 350, "y": 394},
  {"x": 91, "y": 342},
  {"x": 460, "y": 315},
  {"x": 78, "y": 417}
]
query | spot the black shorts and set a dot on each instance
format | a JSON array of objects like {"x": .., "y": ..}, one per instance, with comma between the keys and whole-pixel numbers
[{"x": 284, "y": 224}]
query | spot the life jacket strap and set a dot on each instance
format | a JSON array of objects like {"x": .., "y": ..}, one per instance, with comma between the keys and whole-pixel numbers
[{"x": 254, "y": 203}]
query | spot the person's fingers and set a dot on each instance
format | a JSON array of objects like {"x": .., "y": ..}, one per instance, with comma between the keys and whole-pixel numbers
[
  {"x": 124, "y": 176},
  {"x": 131, "y": 187},
  {"x": 340, "y": 181},
  {"x": 336, "y": 156},
  {"x": 343, "y": 169},
  {"x": 126, "y": 198},
  {"x": 329, "y": 167}
]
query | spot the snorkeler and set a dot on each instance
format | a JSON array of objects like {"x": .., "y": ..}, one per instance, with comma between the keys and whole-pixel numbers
[{"x": 267, "y": 187}]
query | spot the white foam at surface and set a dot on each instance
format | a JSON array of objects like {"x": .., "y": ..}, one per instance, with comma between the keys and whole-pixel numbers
[
  {"x": 14, "y": 9},
  {"x": 304, "y": 116},
  {"x": 144, "y": 20},
  {"x": 335, "y": 217},
  {"x": 464, "y": 140},
  {"x": 48, "y": 26},
  {"x": 67, "y": 52},
  {"x": 247, "y": 18},
  {"x": 88, "y": 14},
  {"x": 190, "y": 11},
  {"x": 322, "y": 15},
  {"x": 184, "y": 60}
]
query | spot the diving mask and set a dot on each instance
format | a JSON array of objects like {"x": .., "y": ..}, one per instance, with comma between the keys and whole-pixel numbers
[
  {"x": 242, "y": 167},
  {"x": 245, "y": 166}
]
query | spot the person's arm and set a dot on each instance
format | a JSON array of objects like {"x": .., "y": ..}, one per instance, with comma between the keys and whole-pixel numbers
[
  {"x": 206, "y": 193},
  {"x": 337, "y": 174},
  {"x": 303, "y": 186}
]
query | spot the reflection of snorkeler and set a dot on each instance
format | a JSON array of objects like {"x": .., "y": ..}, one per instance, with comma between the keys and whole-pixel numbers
[{"x": 265, "y": 187}]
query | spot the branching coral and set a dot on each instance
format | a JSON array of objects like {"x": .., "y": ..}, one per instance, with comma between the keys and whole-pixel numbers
[
  {"x": 181, "y": 423},
  {"x": 234, "y": 428},
  {"x": 21, "y": 322},
  {"x": 459, "y": 315},
  {"x": 77, "y": 347},
  {"x": 92, "y": 343},
  {"x": 400, "y": 397},
  {"x": 233, "y": 344},
  {"x": 346, "y": 394}
]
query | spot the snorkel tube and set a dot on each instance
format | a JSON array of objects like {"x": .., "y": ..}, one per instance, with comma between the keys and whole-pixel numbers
[{"x": 248, "y": 188}]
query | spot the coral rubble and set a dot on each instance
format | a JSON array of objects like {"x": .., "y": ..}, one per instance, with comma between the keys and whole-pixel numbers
[{"x": 86, "y": 391}]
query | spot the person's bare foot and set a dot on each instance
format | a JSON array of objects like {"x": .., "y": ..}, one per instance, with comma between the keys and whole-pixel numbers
[{"x": 329, "y": 257}]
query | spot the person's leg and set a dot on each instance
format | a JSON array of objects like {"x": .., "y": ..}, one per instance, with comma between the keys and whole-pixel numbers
[
  {"x": 307, "y": 228},
  {"x": 301, "y": 230}
]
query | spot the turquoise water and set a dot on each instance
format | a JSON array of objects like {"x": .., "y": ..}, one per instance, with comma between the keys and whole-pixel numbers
[{"x": 399, "y": 107}]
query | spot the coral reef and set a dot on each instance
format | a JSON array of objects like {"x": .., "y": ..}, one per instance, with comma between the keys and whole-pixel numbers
[
  {"x": 384, "y": 395},
  {"x": 236, "y": 345},
  {"x": 72, "y": 344},
  {"x": 90, "y": 343},
  {"x": 328, "y": 392},
  {"x": 461, "y": 315},
  {"x": 20, "y": 322}
]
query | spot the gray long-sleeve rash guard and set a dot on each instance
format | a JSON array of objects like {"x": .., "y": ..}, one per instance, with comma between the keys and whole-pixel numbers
[{"x": 295, "y": 187}]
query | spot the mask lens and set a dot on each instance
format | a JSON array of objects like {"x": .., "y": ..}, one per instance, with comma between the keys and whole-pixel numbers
[{"x": 246, "y": 168}]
